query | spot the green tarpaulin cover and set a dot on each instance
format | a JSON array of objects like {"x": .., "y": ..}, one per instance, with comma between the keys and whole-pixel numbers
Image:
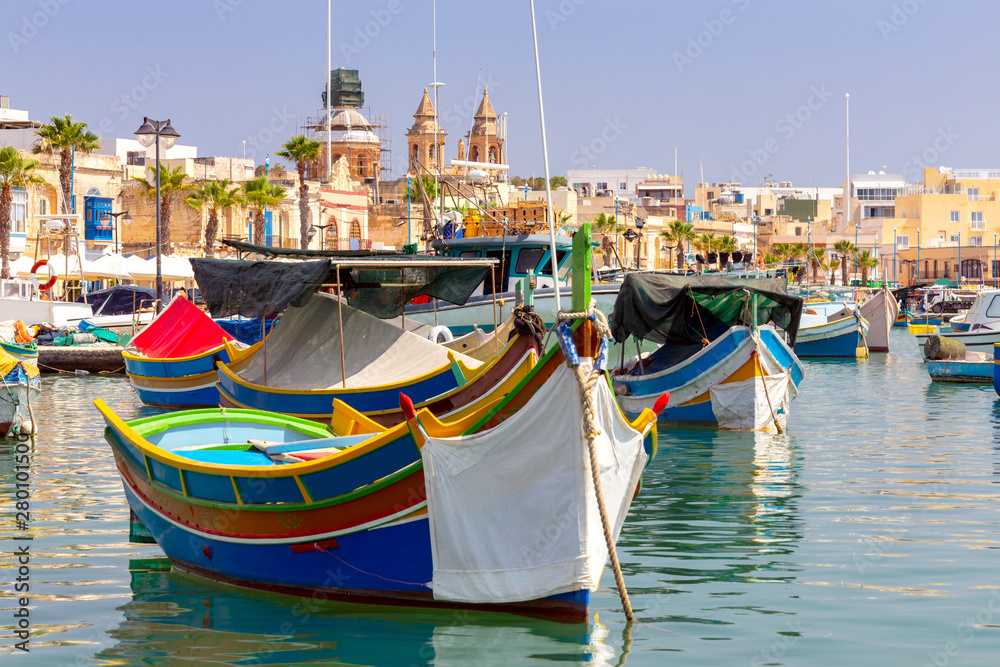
[{"x": 682, "y": 310}]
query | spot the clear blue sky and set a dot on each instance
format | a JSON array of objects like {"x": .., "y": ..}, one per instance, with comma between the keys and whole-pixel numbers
[{"x": 624, "y": 82}]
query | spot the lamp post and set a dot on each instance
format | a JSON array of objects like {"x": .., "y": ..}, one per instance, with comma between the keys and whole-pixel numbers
[
  {"x": 960, "y": 259},
  {"x": 895, "y": 239},
  {"x": 127, "y": 220},
  {"x": 639, "y": 223},
  {"x": 160, "y": 132},
  {"x": 322, "y": 237},
  {"x": 409, "y": 207}
]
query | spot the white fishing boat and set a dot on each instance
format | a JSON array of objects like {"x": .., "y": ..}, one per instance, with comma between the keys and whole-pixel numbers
[{"x": 984, "y": 325}]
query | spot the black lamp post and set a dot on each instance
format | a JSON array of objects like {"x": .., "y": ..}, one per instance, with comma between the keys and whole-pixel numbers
[
  {"x": 127, "y": 220},
  {"x": 161, "y": 132},
  {"x": 639, "y": 222},
  {"x": 322, "y": 238}
]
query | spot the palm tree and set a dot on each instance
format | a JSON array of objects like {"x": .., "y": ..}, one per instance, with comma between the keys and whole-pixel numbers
[
  {"x": 302, "y": 151},
  {"x": 866, "y": 260},
  {"x": 67, "y": 137},
  {"x": 676, "y": 235},
  {"x": 171, "y": 183},
  {"x": 214, "y": 196},
  {"x": 817, "y": 260},
  {"x": 844, "y": 248},
  {"x": 833, "y": 266},
  {"x": 260, "y": 194},
  {"x": 771, "y": 258},
  {"x": 607, "y": 224},
  {"x": 14, "y": 170}
]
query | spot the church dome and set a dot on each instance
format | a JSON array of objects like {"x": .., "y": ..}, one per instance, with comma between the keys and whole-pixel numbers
[{"x": 348, "y": 126}]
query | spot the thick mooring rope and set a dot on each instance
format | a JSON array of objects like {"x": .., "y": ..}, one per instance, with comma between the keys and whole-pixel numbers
[{"x": 587, "y": 381}]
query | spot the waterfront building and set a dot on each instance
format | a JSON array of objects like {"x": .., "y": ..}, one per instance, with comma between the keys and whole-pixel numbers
[{"x": 619, "y": 183}]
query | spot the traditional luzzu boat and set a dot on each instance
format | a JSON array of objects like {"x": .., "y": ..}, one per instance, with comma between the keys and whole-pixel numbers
[
  {"x": 171, "y": 363},
  {"x": 831, "y": 329},
  {"x": 21, "y": 351},
  {"x": 723, "y": 359},
  {"x": 19, "y": 383},
  {"x": 427, "y": 512}
]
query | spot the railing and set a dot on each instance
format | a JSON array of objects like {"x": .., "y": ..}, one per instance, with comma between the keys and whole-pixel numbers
[{"x": 977, "y": 225}]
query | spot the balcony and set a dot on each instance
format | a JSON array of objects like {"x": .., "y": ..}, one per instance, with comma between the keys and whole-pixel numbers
[{"x": 977, "y": 226}]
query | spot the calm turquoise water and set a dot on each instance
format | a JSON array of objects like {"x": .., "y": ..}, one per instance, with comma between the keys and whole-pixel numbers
[{"x": 867, "y": 535}]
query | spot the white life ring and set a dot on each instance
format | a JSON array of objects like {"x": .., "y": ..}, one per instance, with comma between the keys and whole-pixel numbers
[
  {"x": 34, "y": 279},
  {"x": 440, "y": 334}
]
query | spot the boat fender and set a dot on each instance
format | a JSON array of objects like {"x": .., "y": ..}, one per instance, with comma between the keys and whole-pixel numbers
[
  {"x": 440, "y": 334},
  {"x": 21, "y": 332},
  {"x": 34, "y": 280}
]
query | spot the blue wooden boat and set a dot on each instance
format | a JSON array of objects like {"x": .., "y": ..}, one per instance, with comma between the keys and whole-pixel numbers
[
  {"x": 719, "y": 365},
  {"x": 21, "y": 351},
  {"x": 831, "y": 329},
  {"x": 347, "y": 514},
  {"x": 976, "y": 368},
  {"x": 171, "y": 362},
  {"x": 19, "y": 385}
]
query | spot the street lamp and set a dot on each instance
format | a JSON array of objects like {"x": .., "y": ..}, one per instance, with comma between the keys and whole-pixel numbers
[
  {"x": 639, "y": 223},
  {"x": 127, "y": 220},
  {"x": 160, "y": 132},
  {"x": 322, "y": 238},
  {"x": 895, "y": 239}
]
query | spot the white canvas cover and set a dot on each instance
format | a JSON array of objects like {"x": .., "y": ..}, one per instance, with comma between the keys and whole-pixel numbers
[
  {"x": 303, "y": 351},
  {"x": 743, "y": 405},
  {"x": 512, "y": 510}
]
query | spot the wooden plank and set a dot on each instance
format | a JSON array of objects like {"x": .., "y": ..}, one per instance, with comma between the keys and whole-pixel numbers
[{"x": 581, "y": 268}]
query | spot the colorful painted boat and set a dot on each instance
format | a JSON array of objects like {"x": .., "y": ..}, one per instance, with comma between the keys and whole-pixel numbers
[
  {"x": 19, "y": 386},
  {"x": 832, "y": 329},
  {"x": 171, "y": 363},
  {"x": 301, "y": 369},
  {"x": 718, "y": 367},
  {"x": 358, "y": 520}
]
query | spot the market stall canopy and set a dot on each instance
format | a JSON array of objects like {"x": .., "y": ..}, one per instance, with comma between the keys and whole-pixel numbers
[
  {"x": 62, "y": 266},
  {"x": 682, "y": 310},
  {"x": 944, "y": 282},
  {"x": 380, "y": 286},
  {"x": 172, "y": 267},
  {"x": 111, "y": 266}
]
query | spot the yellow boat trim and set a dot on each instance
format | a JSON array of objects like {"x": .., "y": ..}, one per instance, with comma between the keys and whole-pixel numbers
[
  {"x": 225, "y": 345},
  {"x": 236, "y": 490},
  {"x": 448, "y": 429},
  {"x": 302, "y": 489}
]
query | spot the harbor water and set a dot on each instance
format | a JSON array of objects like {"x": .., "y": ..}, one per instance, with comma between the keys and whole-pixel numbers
[{"x": 868, "y": 534}]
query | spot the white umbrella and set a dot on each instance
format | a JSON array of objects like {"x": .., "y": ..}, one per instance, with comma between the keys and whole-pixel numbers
[
  {"x": 62, "y": 268},
  {"x": 172, "y": 267},
  {"x": 22, "y": 265},
  {"x": 111, "y": 266}
]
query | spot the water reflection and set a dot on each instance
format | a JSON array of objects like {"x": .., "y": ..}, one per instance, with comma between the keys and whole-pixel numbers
[
  {"x": 175, "y": 617},
  {"x": 718, "y": 507}
]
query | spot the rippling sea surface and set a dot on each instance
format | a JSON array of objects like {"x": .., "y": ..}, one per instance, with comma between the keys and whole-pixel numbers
[{"x": 866, "y": 535}]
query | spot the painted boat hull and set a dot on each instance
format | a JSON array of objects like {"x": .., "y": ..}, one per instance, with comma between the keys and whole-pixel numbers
[
  {"x": 28, "y": 353},
  {"x": 352, "y": 526},
  {"x": 19, "y": 389},
  {"x": 184, "y": 383},
  {"x": 960, "y": 370},
  {"x": 726, "y": 360},
  {"x": 881, "y": 311},
  {"x": 841, "y": 338}
]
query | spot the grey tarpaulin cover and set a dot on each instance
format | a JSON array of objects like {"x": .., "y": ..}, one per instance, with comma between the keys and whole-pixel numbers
[
  {"x": 255, "y": 289},
  {"x": 682, "y": 310},
  {"x": 384, "y": 292}
]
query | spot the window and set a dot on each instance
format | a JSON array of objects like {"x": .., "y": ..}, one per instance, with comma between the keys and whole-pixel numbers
[
  {"x": 528, "y": 259},
  {"x": 798, "y": 231},
  {"x": 18, "y": 211},
  {"x": 935, "y": 269},
  {"x": 976, "y": 240},
  {"x": 996, "y": 271},
  {"x": 355, "y": 229},
  {"x": 622, "y": 186},
  {"x": 43, "y": 206},
  {"x": 972, "y": 269},
  {"x": 994, "y": 308},
  {"x": 955, "y": 238},
  {"x": 602, "y": 186},
  {"x": 973, "y": 194},
  {"x": 977, "y": 220},
  {"x": 954, "y": 216},
  {"x": 469, "y": 254},
  {"x": 546, "y": 269},
  {"x": 903, "y": 242}
]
